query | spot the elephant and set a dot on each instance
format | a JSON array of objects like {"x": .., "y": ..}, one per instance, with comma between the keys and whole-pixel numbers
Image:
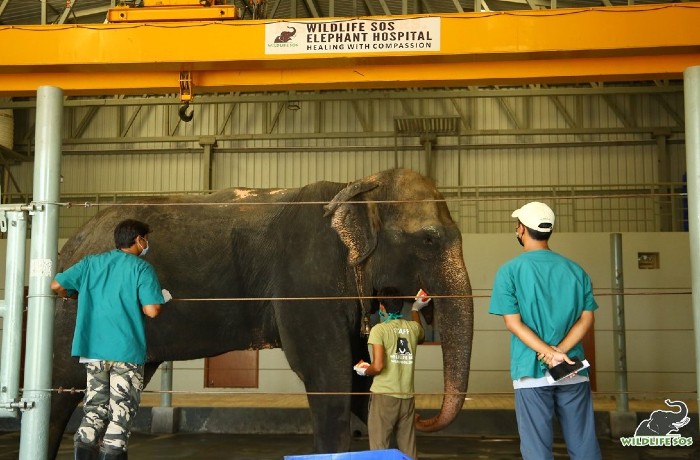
[
  {"x": 276, "y": 250},
  {"x": 664, "y": 422}
]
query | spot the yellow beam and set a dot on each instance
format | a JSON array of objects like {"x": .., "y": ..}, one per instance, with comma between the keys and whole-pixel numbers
[
  {"x": 567, "y": 45},
  {"x": 169, "y": 13}
]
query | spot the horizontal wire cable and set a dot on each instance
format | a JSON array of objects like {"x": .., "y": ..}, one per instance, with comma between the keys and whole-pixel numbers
[
  {"x": 88, "y": 204},
  {"x": 467, "y": 394}
]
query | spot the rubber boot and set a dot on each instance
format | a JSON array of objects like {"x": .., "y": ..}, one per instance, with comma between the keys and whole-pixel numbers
[
  {"x": 112, "y": 454},
  {"x": 84, "y": 451}
]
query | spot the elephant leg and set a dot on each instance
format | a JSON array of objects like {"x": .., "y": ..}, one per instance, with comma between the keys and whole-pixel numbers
[
  {"x": 328, "y": 385},
  {"x": 318, "y": 349},
  {"x": 62, "y": 407},
  {"x": 149, "y": 369},
  {"x": 331, "y": 422},
  {"x": 67, "y": 373}
]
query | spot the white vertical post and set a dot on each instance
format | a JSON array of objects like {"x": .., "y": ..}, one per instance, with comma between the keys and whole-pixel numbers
[
  {"x": 12, "y": 313},
  {"x": 42, "y": 268},
  {"x": 691, "y": 85}
]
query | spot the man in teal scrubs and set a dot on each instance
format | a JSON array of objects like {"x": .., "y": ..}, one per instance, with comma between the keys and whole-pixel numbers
[
  {"x": 116, "y": 290},
  {"x": 546, "y": 301}
]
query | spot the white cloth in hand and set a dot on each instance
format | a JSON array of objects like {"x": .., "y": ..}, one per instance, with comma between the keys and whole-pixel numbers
[
  {"x": 361, "y": 368},
  {"x": 422, "y": 300},
  {"x": 167, "y": 297}
]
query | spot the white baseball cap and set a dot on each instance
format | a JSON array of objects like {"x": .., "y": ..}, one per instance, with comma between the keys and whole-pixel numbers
[{"x": 536, "y": 216}]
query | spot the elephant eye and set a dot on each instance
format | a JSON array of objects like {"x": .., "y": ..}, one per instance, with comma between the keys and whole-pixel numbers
[{"x": 430, "y": 236}]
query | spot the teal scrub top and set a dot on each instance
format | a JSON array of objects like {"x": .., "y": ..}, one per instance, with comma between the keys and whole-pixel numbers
[
  {"x": 112, "y": 289},
  {"x": 550, "y": 292}
]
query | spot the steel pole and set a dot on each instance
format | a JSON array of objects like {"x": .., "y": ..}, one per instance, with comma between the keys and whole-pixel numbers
[
  {"x": 619, "y": 343},
  {"x": 12, "y": 317},
  {"x": 691, "y": 84},
  {"x": 166, "y": 384},
  {"x": 42, "y": 267}
]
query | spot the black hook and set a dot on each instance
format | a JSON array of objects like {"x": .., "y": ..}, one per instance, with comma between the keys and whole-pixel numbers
[{"x": 183, "y": 115}]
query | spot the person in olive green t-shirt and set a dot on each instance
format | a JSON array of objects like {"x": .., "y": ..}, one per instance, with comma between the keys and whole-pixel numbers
[{"x": 394, "y": 343}]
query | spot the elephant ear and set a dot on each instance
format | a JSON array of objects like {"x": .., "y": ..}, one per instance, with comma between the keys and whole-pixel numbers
[{"x": 355, "y": 222}]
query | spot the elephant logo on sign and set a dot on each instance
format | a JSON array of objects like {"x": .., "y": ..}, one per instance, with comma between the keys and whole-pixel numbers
[
  {"x": 285, "y": 36},
  {"x": 664, "y": 422}
]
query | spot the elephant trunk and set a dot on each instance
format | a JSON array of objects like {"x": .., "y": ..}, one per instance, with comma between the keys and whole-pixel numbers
[
  {"x": 682, "y": 409},
  {"x": 455, "y": 317}
]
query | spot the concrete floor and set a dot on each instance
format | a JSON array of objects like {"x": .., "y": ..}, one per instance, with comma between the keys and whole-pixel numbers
[{"x": 276, "y": 447}]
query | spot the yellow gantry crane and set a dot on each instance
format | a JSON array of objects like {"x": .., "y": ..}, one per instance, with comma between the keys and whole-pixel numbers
[
  {"x": 154, "y": 11},
  {"x": 173, "y": 10},
  {"x": 165, "y": 43}
]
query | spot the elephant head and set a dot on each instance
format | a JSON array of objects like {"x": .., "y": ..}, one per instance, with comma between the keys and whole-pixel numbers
[
  {"x": 663, "y": 422},
  {"x": 398, "y": 232}
]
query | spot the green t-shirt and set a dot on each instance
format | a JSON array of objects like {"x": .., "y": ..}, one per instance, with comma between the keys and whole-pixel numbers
[
  {"x": 550, "y": 292},
  {"x": 112, "y": 289},
  {"x": 400, "y": 338}
]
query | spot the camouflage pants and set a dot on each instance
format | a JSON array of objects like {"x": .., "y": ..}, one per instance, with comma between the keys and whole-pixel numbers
[{"x": 112, "y": 398}]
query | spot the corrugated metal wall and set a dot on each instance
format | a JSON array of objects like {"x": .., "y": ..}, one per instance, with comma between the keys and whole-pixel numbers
[{"x": 559, "y": 148}]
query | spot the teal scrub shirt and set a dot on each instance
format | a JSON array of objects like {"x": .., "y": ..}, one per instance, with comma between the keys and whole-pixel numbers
[
  {"x": 549, "y": 292},
  {"x": 112, "y": 289}
]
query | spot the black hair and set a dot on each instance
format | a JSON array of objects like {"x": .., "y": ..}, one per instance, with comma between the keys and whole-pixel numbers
[
  {"x": 537, "y": 235},
  {"x": 390, "y": 297},
  {"x": 126, "y": 232}
]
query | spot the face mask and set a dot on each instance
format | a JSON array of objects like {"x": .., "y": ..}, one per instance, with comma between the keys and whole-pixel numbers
[
  {"x": 384, "y": 316},
  {"x": 518, "y": 237},
  {"x": 144, "y": 251}
]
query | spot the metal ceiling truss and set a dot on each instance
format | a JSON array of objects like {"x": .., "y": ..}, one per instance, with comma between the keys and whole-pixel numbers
[
  {"x": 659, "y": 88},
  {"x": 272, "y": 111},
  {"x": 94, "y": 11},
  {"x": 281, "y": 101}
]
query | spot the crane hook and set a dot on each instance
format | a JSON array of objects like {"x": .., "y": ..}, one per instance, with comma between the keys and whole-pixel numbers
[{"x": 183, "y": 115}]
